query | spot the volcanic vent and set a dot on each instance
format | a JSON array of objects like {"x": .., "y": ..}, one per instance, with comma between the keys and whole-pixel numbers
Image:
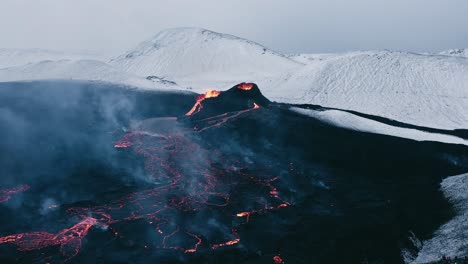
[
  {"x": 240, "y": 97},
  {"x": 215, "y": 108}
]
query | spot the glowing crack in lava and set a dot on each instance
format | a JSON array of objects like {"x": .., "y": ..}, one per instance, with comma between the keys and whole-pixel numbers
[
  {"x": 278, "y": 260},
  {"x": 198, "y": 104},
  {"x": 6, "y": 194},
  {"x": 69, "y": 239},
  {"x": 218, "y": 120},
  {"x": 123, "y": 144},
  {"x": 245, "y": 86}
]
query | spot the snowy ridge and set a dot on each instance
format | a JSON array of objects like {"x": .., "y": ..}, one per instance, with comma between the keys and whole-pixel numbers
[
  {"x": 451, "y": 240},
  {"x": 310, "y": 58},
  {"x": 353, "y": 122},
  {"x": 419, "y": 89},
  {"x": 456, "y": 52},
  {"x": 18, "y": 57},
  {"x": 78, "y": 70},
  {"x": 198, "y": 54}
]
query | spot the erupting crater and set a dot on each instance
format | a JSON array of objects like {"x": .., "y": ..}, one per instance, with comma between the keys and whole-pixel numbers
[{"x": 215, "y": 108}]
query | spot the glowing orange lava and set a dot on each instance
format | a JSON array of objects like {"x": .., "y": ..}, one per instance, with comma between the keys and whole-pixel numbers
[
  {"x": 278, "y": 260},
  {"x": 165, "y": 159},
  {"x": 123, "y": 144},
  {"x": 198, "y": 106},
  {"x": 69, "y": 239},
  {"x": 228, "y": 243},
  {"x": 199, "y": 242},
  {"x": 245, "y": 86},
  {"x": 243, "y": 214}
]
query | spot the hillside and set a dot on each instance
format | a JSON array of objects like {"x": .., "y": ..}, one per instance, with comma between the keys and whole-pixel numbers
[
  {"x": 79, "y": 70},
  {"x": 18, "y": 57},
  {"x": 419, "y": 89},
  {"x": 193, "y": 55}
]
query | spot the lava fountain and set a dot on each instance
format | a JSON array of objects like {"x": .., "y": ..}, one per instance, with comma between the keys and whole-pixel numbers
[{"x": 198, "y": 104}]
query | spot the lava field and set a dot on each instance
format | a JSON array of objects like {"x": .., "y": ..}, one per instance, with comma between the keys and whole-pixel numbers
[{"x": 99, "y": 173}]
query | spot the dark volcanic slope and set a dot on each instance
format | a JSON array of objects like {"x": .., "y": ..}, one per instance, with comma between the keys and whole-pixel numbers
[{"x": 237, "y": 180}]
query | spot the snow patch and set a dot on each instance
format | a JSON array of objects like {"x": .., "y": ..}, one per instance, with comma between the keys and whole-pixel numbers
[
  {"x": 18, "y": 57},
  {"x": 353, "y": 122},
  {"x": 451, "y": 240},
  {"x": 80, "y": 70},
  {"x": 423, "y": 90}
]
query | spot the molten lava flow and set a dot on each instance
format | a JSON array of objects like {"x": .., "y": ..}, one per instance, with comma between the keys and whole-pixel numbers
[
  {"x": 212, "y": 93},
  {"x": 245, "y": 86},
  {"x": 198, "y": 105},
  {"x": 228, "y": 243},
  {"x": 69, "y": 239},
  {"x": 5, "y": 195},
  {"x": 123, "y": 144},
  {"x": 278, "y": 260},
  {"x": 199, "y": 242},
  {"x": 218, "y": 120},
  {"x": 191, "y": 179}
]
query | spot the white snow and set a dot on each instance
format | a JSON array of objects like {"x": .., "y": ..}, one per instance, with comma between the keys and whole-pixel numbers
[
  {"x": 353, "y": 122},
  {"x": 418, "y": 89},
  {"x": 18, "y": 57},
  {"x": 78, "y": 70},
  {"x": 451, "y": 240},
  {"x": 456, "y": 52},
  {"x": 197, "y": 56}
]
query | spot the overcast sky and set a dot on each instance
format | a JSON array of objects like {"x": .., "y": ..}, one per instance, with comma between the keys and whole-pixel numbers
[{"x": 289, "y": 26}]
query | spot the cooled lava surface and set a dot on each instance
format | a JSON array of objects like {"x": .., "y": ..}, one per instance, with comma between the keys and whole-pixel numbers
[{"x": 111, "y": 175}]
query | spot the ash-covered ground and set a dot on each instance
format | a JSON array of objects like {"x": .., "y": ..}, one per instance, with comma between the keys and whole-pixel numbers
[{"x": 98, "y": 173}]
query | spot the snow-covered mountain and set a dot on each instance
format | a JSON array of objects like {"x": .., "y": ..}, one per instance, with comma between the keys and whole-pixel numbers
[
  {"x": 79, "y": 70},
  {"x": 193, "y": 55},
  {"x": 424, "y": 90},
  {"x": 18, "y": 57},
  {"x": 351, "y": 121}
]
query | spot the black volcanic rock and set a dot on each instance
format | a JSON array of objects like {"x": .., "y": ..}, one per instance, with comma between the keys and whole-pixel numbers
[
  {"x": 242, "y": 96},
  {"x": 247, "y": 186}
]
